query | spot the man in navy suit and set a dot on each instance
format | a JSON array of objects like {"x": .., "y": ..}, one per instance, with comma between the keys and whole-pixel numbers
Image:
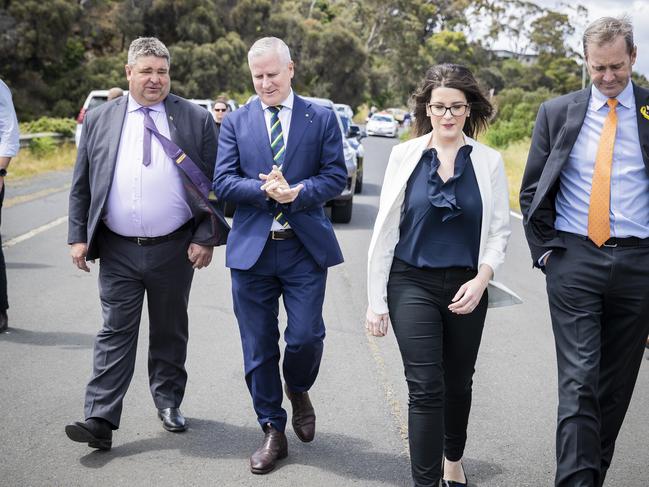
[{"x": 280, "y": 158}]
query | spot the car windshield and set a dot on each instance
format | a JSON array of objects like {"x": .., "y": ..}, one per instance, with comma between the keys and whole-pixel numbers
[
  {"x": 381, "y": 118},
  {"x": 96, "y": 101}
]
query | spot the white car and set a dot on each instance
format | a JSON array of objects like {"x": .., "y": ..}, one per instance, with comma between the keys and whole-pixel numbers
[
  {"x": 382, "y": 124},
  {"x": 344, "y": 110}
]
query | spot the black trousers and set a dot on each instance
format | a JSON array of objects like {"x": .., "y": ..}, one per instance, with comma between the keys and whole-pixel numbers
[
  {"x": 439, "y": 351},
  {"x": 126, "y": 272},
  {"x": 599, "y": 303},
  {"x": 4, "y": 301}
]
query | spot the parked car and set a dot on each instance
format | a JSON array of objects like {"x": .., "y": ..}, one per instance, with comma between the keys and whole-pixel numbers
[
  {"x": 344, "y": 110},
  {"x": 94, "y": 99},
  {"x": 383, "y": 124},
  {"x": 341, "y": 205},
  {"x": 398, "y": 113},
  {"x": 354, "y": 135}
]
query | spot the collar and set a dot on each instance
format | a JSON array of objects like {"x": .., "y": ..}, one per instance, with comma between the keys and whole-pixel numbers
[
  {"x": 625, "y": 98},
  {"x": 134, "y": 106},
  {"x": 288, "y": 103}
]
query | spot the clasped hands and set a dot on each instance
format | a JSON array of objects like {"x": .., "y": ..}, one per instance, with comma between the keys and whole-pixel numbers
[{"x": 277, "y": 188}]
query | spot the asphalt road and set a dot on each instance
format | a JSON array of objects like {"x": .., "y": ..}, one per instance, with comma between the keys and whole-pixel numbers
[{"x": 360, "y": 396}]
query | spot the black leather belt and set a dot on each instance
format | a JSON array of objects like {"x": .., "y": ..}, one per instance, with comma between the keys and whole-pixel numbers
[
  {"x": 615, "y": 241},
  {"x": 282, "y": 234},
  {"x": 144, "y": 241}
]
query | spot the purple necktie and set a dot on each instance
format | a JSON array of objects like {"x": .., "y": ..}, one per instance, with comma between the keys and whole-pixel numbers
[{"x": 148, "y": 122}]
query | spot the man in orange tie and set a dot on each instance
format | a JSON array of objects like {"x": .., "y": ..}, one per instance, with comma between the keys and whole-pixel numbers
[{"x": 585, "y": 202}]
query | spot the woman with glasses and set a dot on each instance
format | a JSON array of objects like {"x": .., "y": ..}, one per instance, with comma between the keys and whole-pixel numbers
[
  {"x": 440, "y": 233},
  {"x": 219, "y": 110}
]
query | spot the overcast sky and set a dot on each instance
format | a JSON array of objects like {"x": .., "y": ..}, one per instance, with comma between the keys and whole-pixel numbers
[{"x": 637, "y": 10}]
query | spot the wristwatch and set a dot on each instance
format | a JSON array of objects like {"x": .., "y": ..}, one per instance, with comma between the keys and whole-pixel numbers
[{"x": 3, "y": 172}]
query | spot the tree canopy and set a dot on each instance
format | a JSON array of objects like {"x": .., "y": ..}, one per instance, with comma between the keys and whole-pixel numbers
[{"x": 53, "y": 53}]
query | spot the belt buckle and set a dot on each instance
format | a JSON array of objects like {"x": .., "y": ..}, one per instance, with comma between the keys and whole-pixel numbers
[
  {"x": 612, "y": 246},
  {"x": 272, "y": 236},
  {"x": 140, "y": 240}
]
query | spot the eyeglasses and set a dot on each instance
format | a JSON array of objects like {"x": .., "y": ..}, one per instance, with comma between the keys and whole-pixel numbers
[
  {"x": 225, "y": 110},
  {"x": 440, "y": 110}
]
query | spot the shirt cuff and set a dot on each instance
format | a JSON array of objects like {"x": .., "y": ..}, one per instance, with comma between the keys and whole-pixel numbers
[{"x": 541, "y": 261}]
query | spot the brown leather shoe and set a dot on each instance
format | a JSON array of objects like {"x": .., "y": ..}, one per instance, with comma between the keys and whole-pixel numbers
[
  {"x": 303, "y": 414},
  {"x": 274, "y": 447}
]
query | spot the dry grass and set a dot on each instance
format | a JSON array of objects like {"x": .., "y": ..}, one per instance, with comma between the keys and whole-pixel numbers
[
  {"x": 26, "y": 164},
  {"x": 515, "y": 156}
]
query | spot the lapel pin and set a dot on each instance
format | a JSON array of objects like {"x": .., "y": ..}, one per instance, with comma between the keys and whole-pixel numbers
[
  {"x": 645, "y": 111},
  {"x": 171, "y": 117}
]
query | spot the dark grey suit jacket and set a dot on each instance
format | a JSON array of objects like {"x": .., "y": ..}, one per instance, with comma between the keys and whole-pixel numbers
[
  {"x": 556, "y": 129},
  {"x": 191, "y": 127}
]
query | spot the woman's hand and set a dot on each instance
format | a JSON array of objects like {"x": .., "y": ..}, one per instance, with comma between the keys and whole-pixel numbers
[
  {"x": 376, "y": 324},
  {"x": 470, "y": 293}
]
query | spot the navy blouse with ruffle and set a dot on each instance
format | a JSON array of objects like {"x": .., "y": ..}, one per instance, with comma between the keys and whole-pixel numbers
[{"x": 440, "y": 223}]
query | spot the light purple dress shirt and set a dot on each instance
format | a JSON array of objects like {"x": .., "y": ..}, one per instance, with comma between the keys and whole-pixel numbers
[{"x": 145, "y": 201}]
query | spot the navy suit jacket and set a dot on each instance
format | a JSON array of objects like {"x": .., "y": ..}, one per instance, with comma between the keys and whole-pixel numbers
[{"x": 314, "y": 157}]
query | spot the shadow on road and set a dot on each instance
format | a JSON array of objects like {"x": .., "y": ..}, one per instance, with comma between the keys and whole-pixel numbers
[
  {"x": 48, "y": 338},
  {"x": 344, "y": 455},
  {"x": 26, "y": 265}
]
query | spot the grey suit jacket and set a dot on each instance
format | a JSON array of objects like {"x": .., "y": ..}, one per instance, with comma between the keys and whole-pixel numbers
[
  {"x": 191, "y": 127},
  {"x": 556, "y": 129}
]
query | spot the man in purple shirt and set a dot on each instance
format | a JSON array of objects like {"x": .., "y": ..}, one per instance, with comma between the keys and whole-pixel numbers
[{"x": 136, "y": 206}]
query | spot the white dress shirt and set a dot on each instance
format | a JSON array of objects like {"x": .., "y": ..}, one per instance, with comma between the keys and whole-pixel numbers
[
  {"x": 145, "y": 201},
  {"x": 9, "y": 135},
  {"x": 285, "y": 120}
]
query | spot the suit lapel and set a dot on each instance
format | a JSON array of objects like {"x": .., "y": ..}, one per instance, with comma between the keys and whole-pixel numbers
[
  {"x": 642, "y": 107},
  {"x": 301, "y": 118},
  {"x": 173, "y": 115},
  {"x": 259, "y": 132}
]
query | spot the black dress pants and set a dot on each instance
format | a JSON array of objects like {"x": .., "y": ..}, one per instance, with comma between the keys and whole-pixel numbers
[
  {"x": 439, "y": 351},
  {"x": 4, "y": 302},
  {"x": 127, "y": 272},
  {"x": 599, "y": 304}
]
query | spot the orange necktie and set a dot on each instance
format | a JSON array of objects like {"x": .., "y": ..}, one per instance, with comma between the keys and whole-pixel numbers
[{"x": 599, "y": 225}]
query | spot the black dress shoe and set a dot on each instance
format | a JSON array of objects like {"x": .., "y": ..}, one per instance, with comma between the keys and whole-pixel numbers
[
  {"x": 303, "y": 418},
  {"x": 172, "y": 419},
  {"x": 274, "y": 447},
  {"x": 96, "y": 432},
  {"x": 4, "y": 321}
]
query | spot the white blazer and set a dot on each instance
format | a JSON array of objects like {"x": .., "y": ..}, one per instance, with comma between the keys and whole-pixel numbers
[{"x": 494, "y": 233}]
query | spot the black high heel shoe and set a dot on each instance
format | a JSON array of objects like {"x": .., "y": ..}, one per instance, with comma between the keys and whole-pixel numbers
[{"x": 453, "y": 483}]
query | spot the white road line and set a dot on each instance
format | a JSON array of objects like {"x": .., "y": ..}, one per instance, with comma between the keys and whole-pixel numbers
[{"x": 34, "y": 232}]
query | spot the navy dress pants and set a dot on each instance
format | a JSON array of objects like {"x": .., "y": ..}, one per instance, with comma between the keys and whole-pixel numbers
[{"x": 285, "y": 269}]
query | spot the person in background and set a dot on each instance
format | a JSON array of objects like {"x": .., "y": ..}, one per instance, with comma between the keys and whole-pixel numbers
[
  {"x": 219, "y": 110},
  {"x": 439, "y": 236},
  {"x": 585, "y": 204},
  {"x": 114, "y": 92},
  {"x": 9, "y": 145}
]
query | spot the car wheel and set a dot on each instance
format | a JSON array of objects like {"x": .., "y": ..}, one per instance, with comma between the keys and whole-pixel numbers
[
  {"x": 342, "y": 213},
  {"x": 359, "y": 176},
  {"x": 228, "y": 209}
]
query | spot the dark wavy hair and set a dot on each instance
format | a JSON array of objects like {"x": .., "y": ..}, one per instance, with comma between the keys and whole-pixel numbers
[{"x": 460, "y": 78}]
